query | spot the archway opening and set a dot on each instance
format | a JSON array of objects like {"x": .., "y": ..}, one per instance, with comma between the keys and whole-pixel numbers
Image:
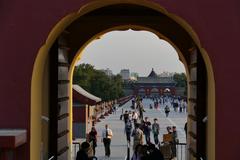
[
  {"x": 113, "y": 52},
  {"x": 65, "y": 51}
]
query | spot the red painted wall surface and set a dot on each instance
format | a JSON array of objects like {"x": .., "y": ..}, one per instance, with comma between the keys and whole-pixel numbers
[
  {"x": 79, "y": 114},
  {"x": 25, "y": 25}
]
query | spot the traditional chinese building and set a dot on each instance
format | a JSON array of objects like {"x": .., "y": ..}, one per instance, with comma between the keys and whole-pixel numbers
[
  {"x": 42, "y": 40},
  {"x": 83, "y": 110},
  {"x": 153, "y": 85}
]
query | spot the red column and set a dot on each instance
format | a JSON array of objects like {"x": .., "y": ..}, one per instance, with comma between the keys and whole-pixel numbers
[
  {"x": 146, "y": 91},
  {"x": 173, "y": 91},
  {"x": 136, "y": 91},
  {"x": 160, "y": 92}
]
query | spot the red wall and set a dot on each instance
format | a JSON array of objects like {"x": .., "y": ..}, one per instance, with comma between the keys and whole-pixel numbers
[
  {"x": 79, "y": 114},
  {"x": 26, "y": 24}
]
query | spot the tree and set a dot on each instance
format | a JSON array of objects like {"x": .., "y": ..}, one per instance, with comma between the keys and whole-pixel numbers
[
  {"x": 97, "y": 82},
  {"x": 181, "y": 80},
  {"x": 82, "y": 75}
]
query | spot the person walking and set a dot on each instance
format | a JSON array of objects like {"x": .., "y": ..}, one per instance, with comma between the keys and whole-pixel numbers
[
  {"x": 150, "y": 106},
  {"x": 175, "y": 104},
  {"x": 128, "y": 131},
  {"x": 155, "y": 131},
  {"x": 93, "y": 139},
  {"x": 114, "y": 109},
  {"x": 185, "y": 106},
  {"x": 181, "y": 109},
  {"x": 137, "y": 135},
  {"x": 174, "y": 141},
  {"x": 106, "y": 139},
  {"x": 147, "y": 130},
  {"x": 167, "y": 110},
  {"x": 141, "y": 110},
  {"x": 125, "y": 117}
]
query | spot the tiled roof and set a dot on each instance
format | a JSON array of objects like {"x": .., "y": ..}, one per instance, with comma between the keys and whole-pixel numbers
[
  {"x": 155, "y": 80},
  {"x": 152, "y": 74},
  {"x": 81, "y": 91}
]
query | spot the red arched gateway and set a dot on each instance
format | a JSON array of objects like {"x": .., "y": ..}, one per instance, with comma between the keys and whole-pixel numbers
[{"x": 30, "y": 27}]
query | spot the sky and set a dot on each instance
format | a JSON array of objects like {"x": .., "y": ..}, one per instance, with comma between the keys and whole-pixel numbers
[{"x": 139, "y": 51}]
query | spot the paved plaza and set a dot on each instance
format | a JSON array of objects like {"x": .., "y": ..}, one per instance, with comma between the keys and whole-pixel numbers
[{"x": 119, "y": 142}]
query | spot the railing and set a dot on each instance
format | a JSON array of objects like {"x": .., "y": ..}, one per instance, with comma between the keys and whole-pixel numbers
[
  {"x": 75, "y": 149},
  {"x": 181, "y": 151},
  {"x": 123, "y": 100},
  {"x": 177, "y": 150}
]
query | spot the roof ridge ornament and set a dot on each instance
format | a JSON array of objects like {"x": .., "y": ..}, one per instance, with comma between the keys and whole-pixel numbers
[{"x": 153, "y": 74}]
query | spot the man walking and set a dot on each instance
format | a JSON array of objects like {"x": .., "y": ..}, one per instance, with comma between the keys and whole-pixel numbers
[
  {"x": 155, "y": 130},
  {"x": 128, "y": 130},
  {"x": 147, "y": 130},
  {"x": 174, "y": 141},
  {"x": 107, "y": 136},
  {"x": 167, "y": 110},
  {"x": 125, "y": 117}
]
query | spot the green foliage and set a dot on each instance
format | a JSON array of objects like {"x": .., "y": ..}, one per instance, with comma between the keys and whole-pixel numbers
[
  {"x": 97, "y": 82},
  {"x": 181, "y": 80}
]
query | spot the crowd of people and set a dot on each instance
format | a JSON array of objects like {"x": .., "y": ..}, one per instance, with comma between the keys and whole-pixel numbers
[
  {"x": 179, "y": 104},
  {"x": 88, "y": 149},
  {"x": 137, "y": 128}
]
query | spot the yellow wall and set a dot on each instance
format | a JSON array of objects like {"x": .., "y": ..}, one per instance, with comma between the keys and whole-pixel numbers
[
  {"x": 38, "y": 91},
  {"x": 45, "y": 110}
]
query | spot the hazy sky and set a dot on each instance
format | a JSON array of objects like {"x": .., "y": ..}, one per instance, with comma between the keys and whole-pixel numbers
[{"x": 139, "y": 51}]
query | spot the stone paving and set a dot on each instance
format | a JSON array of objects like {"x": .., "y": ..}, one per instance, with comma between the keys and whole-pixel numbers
[{"x": 119, "y": 143}]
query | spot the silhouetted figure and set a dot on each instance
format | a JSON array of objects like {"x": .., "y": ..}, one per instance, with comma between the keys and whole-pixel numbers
[
  {"x": 155, "y": 131},
  {"x": 85, "y": 152},
  {"x": 185, "y": 129},
  {"x": 167, "y": 110},
  {"x": 147, "y": 130},
  {"x": 93, "y": 139},
  {"x": 128, "y": 130},
  {"x": 154, "y": 153},
  {"x": 174, "y": 141}
]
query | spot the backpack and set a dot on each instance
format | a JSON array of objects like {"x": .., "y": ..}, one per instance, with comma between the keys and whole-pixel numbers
[
  {"x": 167, "y": 109},
  {"x": 137, "y": 135},
  {"x": 125, "y": 116}
]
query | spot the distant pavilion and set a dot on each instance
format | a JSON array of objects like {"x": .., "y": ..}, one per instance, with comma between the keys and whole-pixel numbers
[{"x": 154, "y": 85}]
